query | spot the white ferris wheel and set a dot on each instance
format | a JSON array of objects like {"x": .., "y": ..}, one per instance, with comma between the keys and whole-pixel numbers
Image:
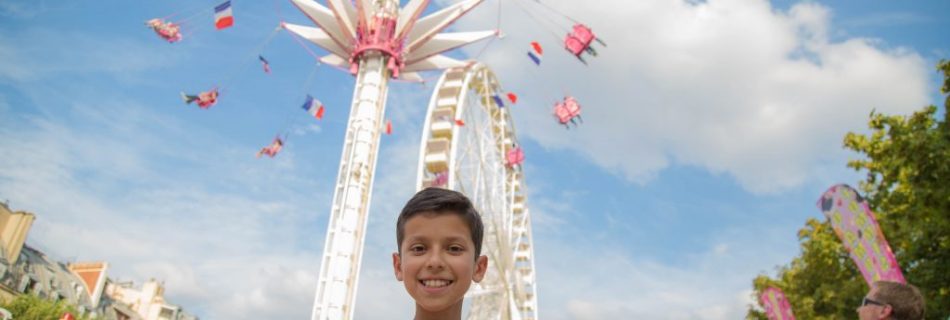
[{"x": 465, "y": 140}]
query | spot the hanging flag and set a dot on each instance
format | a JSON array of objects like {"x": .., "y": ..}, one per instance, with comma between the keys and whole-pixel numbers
[
  {"x": 265, "y": 63},
  {"x": 537, "y": 47},
  {"x": 459, "y": 122},
  {"x": 498, "y": 101},
  {"x": 314, "y": 107},
  {"x": 535, "y": 52},
  {"x": 223, "y": 17},
  {"x": 389, "y": 127},
  {"x": 513, "y": 98},
  {"x": 854, "y": 223},
  {"x": 775, "y": 304}
]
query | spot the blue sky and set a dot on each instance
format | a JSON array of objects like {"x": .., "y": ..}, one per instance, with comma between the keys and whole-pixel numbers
[{"x": 711, "y": 127}]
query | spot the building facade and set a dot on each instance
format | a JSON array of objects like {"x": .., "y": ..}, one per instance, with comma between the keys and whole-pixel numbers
[{"x": 25, "y": 270}]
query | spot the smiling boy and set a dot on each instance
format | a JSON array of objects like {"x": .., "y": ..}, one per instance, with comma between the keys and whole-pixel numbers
[{"x": 439, "y": 236}]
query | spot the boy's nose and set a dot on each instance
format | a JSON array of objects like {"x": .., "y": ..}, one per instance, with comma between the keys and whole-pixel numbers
[{"x": 434, "y": 261}]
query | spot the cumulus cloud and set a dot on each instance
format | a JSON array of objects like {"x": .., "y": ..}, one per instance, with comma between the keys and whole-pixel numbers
[
  {"x": 102, "y": 194},
  {"x": 736, "y": 87},
  {"x": 599, "y": 281}
]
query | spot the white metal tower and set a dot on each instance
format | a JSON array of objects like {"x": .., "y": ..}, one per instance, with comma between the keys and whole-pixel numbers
[{"x": 376, "y": 41}]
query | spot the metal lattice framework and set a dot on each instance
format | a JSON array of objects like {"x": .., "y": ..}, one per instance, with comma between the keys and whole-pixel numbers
[{"x": 469, "y": 157}]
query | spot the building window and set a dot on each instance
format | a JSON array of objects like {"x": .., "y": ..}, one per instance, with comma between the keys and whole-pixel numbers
[
  {"x": 121, "y": 316},
  {"x": 27, "y": 284},
  {"x": 166, "y": 313}
]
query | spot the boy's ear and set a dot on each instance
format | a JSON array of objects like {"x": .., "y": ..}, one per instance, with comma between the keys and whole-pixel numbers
[
  {"x": 886, "y": 312},
  {"x": 481, "y": 266},
  {"x": 397, "y": 266}
]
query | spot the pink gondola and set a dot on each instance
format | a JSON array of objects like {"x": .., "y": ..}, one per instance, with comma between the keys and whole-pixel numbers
[
  {"x": 568, "y": 111},
  {"x": 167, "y": 30},
  {"x": 579, "y": 41}
]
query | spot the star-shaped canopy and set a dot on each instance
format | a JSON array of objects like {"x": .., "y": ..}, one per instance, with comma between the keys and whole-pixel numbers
[{"x": 415, "y": 44}]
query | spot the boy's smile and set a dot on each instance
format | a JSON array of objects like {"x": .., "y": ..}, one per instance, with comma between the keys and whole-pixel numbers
[{"x": 438, "y": 264}]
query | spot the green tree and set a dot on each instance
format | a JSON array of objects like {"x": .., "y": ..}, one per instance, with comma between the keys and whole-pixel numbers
[
  {"x": 822, "y": 283},
  {"x": 31, "y": 307},
  {"x": 907, "y": 160}
]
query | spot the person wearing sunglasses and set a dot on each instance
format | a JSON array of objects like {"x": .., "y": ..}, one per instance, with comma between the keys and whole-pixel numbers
[{"x": 892, "y": 301}]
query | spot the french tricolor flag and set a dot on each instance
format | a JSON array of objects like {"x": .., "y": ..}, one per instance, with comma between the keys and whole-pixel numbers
[
  {"x": 223, "y": 17},
  {"x": 265, "y": 63},
  {"x": 314, "y": 107},
  {"x": 535, "y": 52}
]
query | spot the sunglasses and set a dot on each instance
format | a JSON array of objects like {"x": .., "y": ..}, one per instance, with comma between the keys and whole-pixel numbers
[{"x": 867, "y": 301}]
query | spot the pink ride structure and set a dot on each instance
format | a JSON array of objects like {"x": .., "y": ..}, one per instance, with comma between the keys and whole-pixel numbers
[
  {"x": 568, "y": 111},
  {"x": 579, "y": 40},
  {"x": 169, "y": 31}
]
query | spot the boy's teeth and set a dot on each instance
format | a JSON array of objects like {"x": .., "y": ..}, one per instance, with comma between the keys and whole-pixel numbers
[{"x": 435, "y": 283}]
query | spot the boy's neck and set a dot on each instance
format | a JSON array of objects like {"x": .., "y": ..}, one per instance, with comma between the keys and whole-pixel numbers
[{"x": 452, "y": 313}]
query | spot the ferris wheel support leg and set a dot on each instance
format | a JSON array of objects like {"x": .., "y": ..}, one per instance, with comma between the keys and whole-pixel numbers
[{"x": 343, "y": 248}]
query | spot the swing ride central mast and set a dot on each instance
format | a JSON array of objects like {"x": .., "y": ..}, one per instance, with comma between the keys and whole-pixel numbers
[{"x": 376, "y": 41}]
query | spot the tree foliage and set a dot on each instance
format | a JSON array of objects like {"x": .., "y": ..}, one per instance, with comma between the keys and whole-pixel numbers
[
  {"x": 907, "y": 161},
  {"x": 32, "y": 307}
]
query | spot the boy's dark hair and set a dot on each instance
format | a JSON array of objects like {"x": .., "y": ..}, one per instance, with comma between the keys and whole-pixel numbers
[{"x": 438, "y": 201}]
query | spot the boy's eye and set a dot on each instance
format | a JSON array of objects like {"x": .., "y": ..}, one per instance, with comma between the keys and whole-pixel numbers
[
  {"x": 417, "y": 249},
  {"x": 456, "y": 249}
]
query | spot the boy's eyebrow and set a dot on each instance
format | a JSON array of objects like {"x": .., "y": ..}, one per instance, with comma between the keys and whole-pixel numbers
[
  {"x": 416, "y": 238},
  {"x": 456, "y": 238},
  {"x": 424, "y": 238}
]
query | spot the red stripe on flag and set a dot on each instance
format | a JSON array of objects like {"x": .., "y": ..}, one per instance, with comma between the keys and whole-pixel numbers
[
  {"x": 537, "y": 47},
  {"x": 224, "y": 23}
]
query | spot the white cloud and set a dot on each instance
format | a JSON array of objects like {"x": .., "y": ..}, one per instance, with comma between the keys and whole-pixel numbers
[
  {"x": 732, "y": 86},
  {"x": 23, "y": 10},
  {"x": 32, "y": 54},
  {"x": 100, "y": 194},
  {"x": 597, "y": 282},
  {"x": 305, "y": 129}
]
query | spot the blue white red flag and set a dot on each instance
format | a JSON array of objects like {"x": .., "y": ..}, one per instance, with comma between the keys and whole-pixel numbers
[
  {"x": 266, "y": 64},
  {"x": 314, "y": 107},
  {"x": 535, "y": 52},
  {"x": 223, "y": 17}
]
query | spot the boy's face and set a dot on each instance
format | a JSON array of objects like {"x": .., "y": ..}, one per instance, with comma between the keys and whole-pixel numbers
[{"x": 438, "y": 262}]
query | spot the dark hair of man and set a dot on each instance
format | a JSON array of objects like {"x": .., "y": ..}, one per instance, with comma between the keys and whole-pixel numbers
[
  {"x": 905, "y": 299},
  {"x": 438, "y": 201}
]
